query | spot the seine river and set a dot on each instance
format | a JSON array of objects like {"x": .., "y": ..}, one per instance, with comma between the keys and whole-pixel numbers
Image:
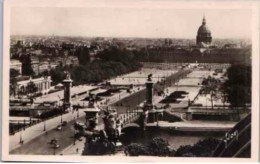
[{"x": 175, "y": 140}]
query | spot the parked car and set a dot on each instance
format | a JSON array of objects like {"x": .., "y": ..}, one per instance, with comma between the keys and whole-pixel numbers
[{"x": 59, "y": 127}]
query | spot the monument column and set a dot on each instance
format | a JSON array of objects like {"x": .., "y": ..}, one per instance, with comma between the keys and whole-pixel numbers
[
  {"x": 149, "y": 91},
  {"x": 148, "y": 114},
  {"x": 67, "y": 92}
]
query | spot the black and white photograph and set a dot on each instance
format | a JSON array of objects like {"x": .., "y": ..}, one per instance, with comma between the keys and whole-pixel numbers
[{"x": 139, "y": 81}]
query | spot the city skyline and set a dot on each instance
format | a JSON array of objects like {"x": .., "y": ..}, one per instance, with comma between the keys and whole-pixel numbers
[
  {"x": 139, "y": 80},
  {"x": 144, "y": 23}
]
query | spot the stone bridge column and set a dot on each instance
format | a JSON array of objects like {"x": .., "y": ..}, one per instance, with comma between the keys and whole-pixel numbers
[
  {"x": 92, "y": 115},
  {"x": 67, "y": 93}
]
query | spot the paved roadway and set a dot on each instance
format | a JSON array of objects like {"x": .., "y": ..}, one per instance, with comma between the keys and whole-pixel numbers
[
  {"x": 40, "y": 145},
  {"x": 35, "y": 139},
  {"x": 37, "y": 130}
]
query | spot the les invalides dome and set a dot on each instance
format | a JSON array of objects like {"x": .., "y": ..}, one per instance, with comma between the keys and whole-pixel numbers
[{"x": 204, "y": 34}]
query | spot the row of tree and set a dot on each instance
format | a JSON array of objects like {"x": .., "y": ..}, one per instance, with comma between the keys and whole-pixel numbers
[
  {"x": 236, "y": 90},
  {"x": 238, "y": 85},
  {"x": 160, "y": 147},
  {"x": 112, "y": 62}
]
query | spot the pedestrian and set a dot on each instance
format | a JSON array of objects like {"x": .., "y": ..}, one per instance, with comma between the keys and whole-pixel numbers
[{"x": 77, "y": 150}]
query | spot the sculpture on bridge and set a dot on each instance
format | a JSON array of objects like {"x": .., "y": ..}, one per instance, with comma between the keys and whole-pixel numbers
[
  {"x": 67, "y": 75},
  {"x": 91, "y": 100},
  {"x": 150, "y": 77},
  {"x": 111, "y": 125},
  {"x": 99, "y": 141}
]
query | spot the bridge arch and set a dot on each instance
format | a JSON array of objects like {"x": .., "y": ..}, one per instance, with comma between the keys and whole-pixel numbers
[{"x": 130, "y": 126}]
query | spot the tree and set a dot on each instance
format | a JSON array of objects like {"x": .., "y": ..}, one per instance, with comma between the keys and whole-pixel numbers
[
  {"x": 203, "y": 148},
  {"x": 156, "y": 147},
  {"x": 14, "y": 73},
  {"x": 135, "y": 149},
  {"x": 13, "y": 86},
  {"x": 210, "y": 86},
  {"x": 57, "y": 75},
  {"x": 31, "y": 88},
  {"x": 182, "y": 150},
  {"x": 159, "y": 147},
  {"x": 83, "y": 55},
  {"x": 26, "y": 65},
  {"x": 238, "y": 86}
]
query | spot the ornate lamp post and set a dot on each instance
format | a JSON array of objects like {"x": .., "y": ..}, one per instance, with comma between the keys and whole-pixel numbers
[
  {"x": 61, "y": 117},
  {"x": 44, "y": 125},
  {"x": 74, "y": 142},
  {"x": 21, "y": 137},
  {"x": 21, "y": 134},
  {"x": 54, "y": 145}
]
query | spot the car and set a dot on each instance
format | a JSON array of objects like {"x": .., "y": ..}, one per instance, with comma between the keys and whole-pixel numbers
[{"x": 59, "y": 127}]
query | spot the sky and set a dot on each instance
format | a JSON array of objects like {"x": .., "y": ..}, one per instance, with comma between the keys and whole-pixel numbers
[{"x": 129, "y": 22}]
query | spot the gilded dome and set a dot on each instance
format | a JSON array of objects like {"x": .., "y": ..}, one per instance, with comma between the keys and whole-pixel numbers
[
  {"x": 203, "y": 29},
  {"x": 204, "y": 34}
]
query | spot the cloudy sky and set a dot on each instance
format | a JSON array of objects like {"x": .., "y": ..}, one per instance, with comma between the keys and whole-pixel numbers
[{"x": 129, "y": 22}]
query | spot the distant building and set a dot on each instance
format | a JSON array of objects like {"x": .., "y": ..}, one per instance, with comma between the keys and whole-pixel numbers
[
  {"x": 16, "y": 65},
  {"x": 42, "y": 84},
  {"x": 202, "y": 52},
  {"x": 43, "y": 66},
  {"x": 69, "y": 61},
  {"x": 204, "y": 35},
  {"x": 231, "y": 46},
  {"x": 92, "y": 56},
  {"x": 36, "y": 52},
  {"x": 53, "y": 65},
  {"x": 72, "y": 60},
  {"x": 20, "y": 43}
]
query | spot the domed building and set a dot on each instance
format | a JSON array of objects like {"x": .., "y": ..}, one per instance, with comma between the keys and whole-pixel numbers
[{"x": 204, "y": 35}]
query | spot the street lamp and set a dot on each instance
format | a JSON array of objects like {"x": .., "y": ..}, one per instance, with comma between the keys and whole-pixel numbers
[
  {"x": 61, "y": 117},
  {"x": 24, "y": 124},
  {"x": 21, "y": 139},
  {"x": 54, "y": 145},
  {"x": 157, "y": 119},
  {"x": 74, "y": 132},
  {"x": 44, "y": 125},
  {"x": 21, "y": 135}
]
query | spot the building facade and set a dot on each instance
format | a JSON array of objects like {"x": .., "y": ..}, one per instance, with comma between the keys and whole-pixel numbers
[
  {"x": 16, "y": 65},
  {"x": 35, "y": 86}
]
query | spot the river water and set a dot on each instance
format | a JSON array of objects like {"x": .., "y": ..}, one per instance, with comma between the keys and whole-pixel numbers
[{"x": 174, "y": 140}]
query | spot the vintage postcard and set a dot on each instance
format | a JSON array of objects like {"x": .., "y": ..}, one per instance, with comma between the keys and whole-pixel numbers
[{"x": 130, "y": 81}]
